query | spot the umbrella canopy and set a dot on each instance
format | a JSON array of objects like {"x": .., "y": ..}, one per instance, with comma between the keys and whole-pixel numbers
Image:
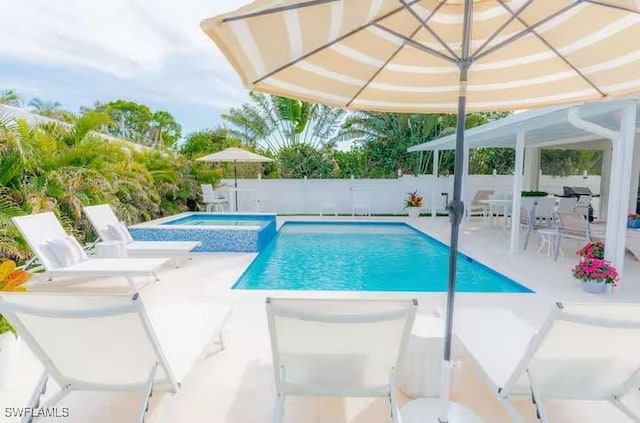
[
  {"x": 405, "y": 55},
  {"x": 428, "y": 56},
  {"x": 233, "y": 154}
]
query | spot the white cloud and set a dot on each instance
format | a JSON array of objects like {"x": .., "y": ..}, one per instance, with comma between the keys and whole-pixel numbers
[
  {"x": 146, "y": 50},
  {"x": 122, "y": 37}
]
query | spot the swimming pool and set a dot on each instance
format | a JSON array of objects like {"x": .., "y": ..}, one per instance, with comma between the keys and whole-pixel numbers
[{"x": 365, "y": 257}]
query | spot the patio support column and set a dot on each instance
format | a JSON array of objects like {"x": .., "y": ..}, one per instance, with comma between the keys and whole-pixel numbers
[
  {"x": 622, "y": 143},
  {"x": 605, "y": 178},
  {"x": 435, "y": 185},
  {"x": 627, "y": 144},
  {"x": 633, "y": 192},
  {"x": 531, "y": 168},
  {"x": 517, "y": 189}
]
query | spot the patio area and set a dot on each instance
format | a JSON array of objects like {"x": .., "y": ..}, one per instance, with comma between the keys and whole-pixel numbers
[{"x": 237, "y": 384}]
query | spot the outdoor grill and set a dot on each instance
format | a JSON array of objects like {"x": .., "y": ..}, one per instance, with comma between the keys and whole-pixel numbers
[{"x": 577, "y": 192}]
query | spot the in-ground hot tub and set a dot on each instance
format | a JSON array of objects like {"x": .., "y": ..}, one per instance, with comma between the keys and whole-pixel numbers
[{"x": 216, "y": 232}]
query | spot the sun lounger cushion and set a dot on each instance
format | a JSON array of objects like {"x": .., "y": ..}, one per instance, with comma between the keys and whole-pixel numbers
[
  {"x": 66, "y": 251},
  {"x": 118, "y": 232},
  {"x": 49, "y": 257},
  {"x": 112, "y": 233}
]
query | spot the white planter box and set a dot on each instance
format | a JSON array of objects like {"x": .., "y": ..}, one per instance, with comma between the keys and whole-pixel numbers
[
  {"x": 8, "y": 352},
  {"x": 414, "y": 212}
]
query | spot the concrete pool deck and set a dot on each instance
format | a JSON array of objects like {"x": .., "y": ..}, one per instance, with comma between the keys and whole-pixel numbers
[{"x": 236, "y": 385}]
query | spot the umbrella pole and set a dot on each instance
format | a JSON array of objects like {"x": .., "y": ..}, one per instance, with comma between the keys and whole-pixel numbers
[
  {"x": 235, "y": 183},
  {"x": 456, "y": 213}
]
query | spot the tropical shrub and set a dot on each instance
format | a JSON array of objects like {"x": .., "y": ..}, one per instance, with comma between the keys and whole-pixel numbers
[
  {"x": 303, "y": 160},
  {"x": 11, "y": 279},
  {"x": 62, "y": 167}
]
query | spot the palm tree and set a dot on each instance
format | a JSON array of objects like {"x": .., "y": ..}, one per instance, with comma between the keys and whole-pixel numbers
[
  {"x": 275, "y": 122},
  {"x": 385, "y": 138},
  {"x": 51, "y": 109},
  {"x": 10, "y": 98}
]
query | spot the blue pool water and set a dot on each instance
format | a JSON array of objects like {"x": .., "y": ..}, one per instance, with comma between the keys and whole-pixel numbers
[{"x": 364, "y": 257}]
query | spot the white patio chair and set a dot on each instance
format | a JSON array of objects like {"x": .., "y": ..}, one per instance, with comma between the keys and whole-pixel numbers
[
  {"x": 338, "y": 347},
  {"x": 572, "y": 226},
  {"x": 476, "y": 207},
  {"x": 545, "y": 210},
  {"x": 106, "y": 224},
  {"x": 61, "y": 255},
  {"x": 527, "y": 212},
  {"x": 111, "y": 342},
  {"x": 582, "y": 352},
  {"x": 214, "y": 200}
]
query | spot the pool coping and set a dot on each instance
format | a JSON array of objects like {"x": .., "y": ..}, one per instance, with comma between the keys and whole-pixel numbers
[
  {"x": 161, "y": 223},
  {"x": 461, "y": 254}
]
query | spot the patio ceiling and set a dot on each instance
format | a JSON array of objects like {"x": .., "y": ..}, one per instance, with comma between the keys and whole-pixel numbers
[{"x": 548, "y": 128}]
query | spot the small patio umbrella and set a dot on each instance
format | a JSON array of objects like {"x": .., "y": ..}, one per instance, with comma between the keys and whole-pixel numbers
[
  {"x": 235, "y": 155},
  {"x": 435, "y": 56}
]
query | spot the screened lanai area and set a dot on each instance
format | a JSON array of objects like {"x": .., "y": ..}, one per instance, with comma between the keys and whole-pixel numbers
[{"x": 609, "y": 125}]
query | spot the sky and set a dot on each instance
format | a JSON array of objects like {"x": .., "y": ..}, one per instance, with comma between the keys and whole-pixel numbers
[{"x": 149, "y": 51}]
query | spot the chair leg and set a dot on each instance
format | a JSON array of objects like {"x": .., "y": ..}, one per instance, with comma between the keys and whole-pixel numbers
[
  {"x": 537, "y": 399},
  {"x": 615, "y": 401},
  {"x": 543, "y": 242},
  {"x": 526, "y": 240},
  {"x": 393, "y": 398},
  {"x": 278, "y": 411},
  {"x": 558, "y": 239},
  {"x": 221, "y": 340},
  {"x": 147, "y": 392}
]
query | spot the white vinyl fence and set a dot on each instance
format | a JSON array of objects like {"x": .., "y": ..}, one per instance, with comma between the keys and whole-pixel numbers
[{"x": 378, "y": 196}]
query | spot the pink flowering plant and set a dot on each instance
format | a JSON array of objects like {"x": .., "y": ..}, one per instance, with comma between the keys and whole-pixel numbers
[
  {"x": 597, "y": 270},
  {"x": 593, "y": 249}
]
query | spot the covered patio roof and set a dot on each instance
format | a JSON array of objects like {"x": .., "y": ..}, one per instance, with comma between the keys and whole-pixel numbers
[
  {"x": 543, "y": 128},
  {"x": 609, "y": 125}
]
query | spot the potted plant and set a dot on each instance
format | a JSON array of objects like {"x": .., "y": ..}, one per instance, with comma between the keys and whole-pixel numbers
[
  {"x": 595, "y": 274},
  {"x": 413, "y": 202},
  {"x": 592, "y": 249},
  {"x": 11, "y": 279},
  {"x": 633, "y": 221}
]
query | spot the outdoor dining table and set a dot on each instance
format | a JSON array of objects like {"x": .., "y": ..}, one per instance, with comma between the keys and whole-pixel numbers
[{"x": 505, "y": 204}]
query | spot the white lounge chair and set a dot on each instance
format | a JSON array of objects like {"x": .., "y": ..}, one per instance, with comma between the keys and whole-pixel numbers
[
  {"x": 476, "y": 207},
  {"x": 109, "y": 228},
  {"x": 46, "y": 236},
  {"x": 587, "y": 352},
  {"x": 111, "y": 342},
  {"x": 214, "y": 200},
  {"x": 337, "y": 347}
]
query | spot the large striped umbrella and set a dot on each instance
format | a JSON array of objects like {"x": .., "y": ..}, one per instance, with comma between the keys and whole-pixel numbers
[{"x": 427, "y": 56}]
